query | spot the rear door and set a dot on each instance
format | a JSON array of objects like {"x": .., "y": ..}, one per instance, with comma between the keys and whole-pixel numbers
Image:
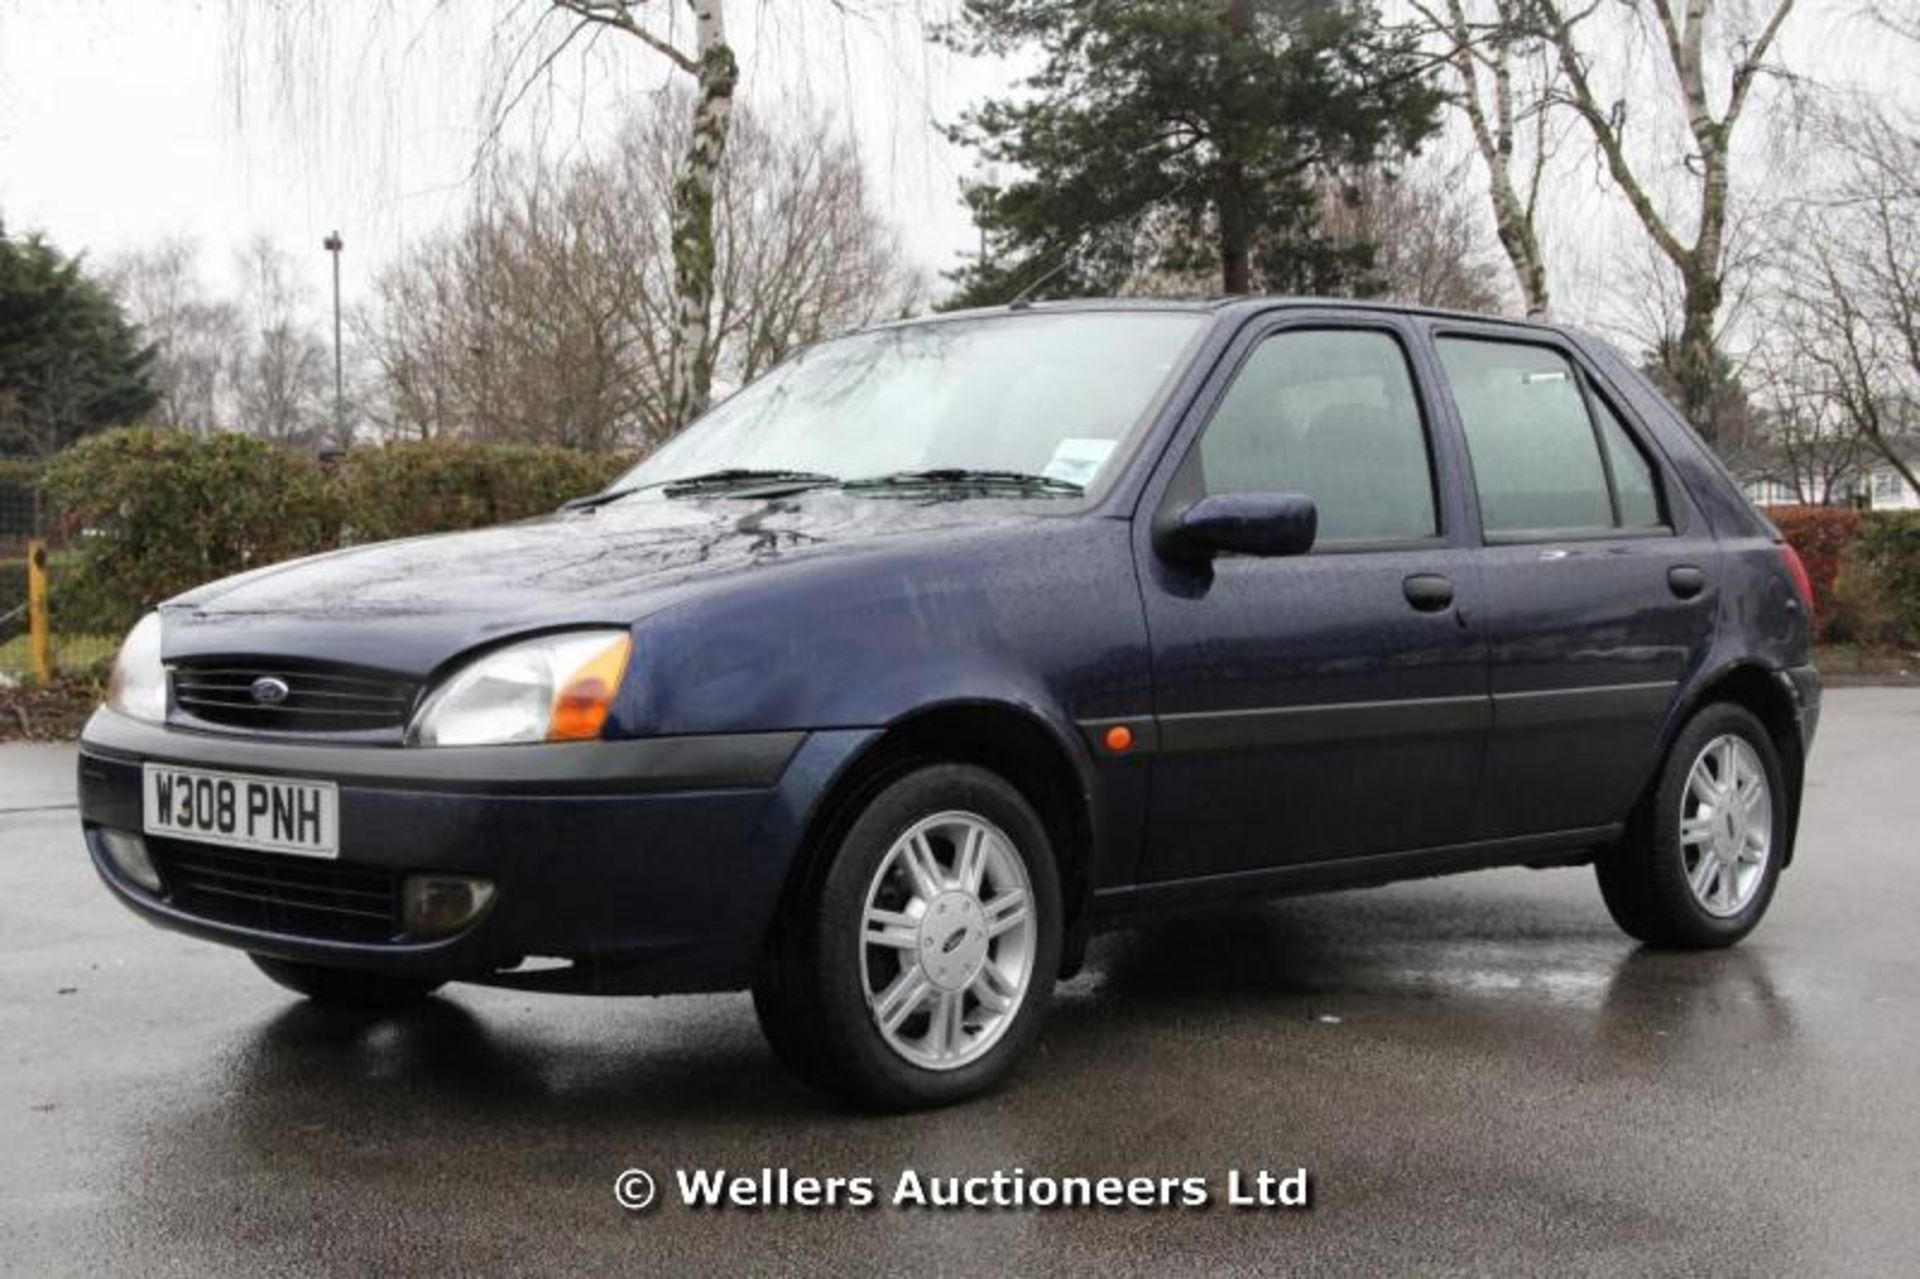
[
  {"x": 1600, "y": 580},
  {"x": 1335, "y": 703}
]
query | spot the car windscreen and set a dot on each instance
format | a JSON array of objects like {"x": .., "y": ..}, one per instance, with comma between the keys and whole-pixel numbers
[{"x": 1053, "y": 395}]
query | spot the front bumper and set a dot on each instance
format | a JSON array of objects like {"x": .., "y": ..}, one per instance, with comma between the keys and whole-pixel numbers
[{"x": 642, "y": 866}]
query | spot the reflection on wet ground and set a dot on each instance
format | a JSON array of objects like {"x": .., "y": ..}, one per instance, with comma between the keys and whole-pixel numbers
[{"x": 1479, "y": 1072}]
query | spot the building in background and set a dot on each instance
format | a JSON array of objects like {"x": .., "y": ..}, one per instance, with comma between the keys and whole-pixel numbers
[{"x": 1865, "y": 481}]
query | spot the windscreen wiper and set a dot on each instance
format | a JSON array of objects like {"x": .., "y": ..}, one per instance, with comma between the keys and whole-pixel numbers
[
  {"x": 731, "y": 477},
  {"x": 737, "y": 477},
  {"x": 963, "y": 477}
]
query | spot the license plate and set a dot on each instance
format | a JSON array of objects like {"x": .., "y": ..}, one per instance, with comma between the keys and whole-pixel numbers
[{"x": 271, "y": 814}]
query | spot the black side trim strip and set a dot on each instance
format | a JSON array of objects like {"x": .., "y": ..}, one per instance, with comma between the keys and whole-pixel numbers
[
  {"x": 1270, "y": 726},
  {"x": 1562, "y": 707},
  {"x": 1335, "y": 722},
  {"x": 1351, "y": 872},
  {"x": 719, "y": 761}
]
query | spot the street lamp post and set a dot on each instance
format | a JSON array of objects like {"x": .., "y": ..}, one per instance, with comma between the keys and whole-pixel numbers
[{"x": 333, "y": 244}]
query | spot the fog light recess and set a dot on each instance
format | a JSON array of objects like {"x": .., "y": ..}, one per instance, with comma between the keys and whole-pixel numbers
[
  {"x": 436, "y": 905},
  {"x": 128, "y": 852}
]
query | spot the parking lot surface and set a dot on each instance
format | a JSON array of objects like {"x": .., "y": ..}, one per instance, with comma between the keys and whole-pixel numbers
[{"x": 1480, "y": 1074}]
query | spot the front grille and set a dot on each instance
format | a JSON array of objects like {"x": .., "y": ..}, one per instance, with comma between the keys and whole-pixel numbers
[
  {"x": 293, "y": 896},
  {"x": 318, "y": 699}
]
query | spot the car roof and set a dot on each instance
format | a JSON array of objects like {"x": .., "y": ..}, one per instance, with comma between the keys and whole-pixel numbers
[{"x": 1233, "y": 307}]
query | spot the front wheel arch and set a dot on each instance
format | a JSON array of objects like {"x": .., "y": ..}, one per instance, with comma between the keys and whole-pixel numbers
[
  {"x": 819, "y": 1011},
  {"x": 1011, "y": 742}
]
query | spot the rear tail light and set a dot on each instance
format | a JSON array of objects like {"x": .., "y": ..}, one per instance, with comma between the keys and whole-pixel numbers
[{"x": 1797, "y": 570}]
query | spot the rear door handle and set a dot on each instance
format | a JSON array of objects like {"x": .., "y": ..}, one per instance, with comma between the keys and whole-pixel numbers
[
  {"x": 1428, "y": 592},
  {"x": 1686, "y": 581}
]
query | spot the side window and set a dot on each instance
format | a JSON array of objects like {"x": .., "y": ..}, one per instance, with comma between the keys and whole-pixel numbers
[
  {"x": 1330, "y": 413},
  {"x": 1535, "y": 460},
  {"x": 1633, "y": 481},
  {"x": 1541, "y": 461}
]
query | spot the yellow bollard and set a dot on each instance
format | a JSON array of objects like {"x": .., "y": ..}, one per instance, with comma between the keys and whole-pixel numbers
[{"x": 39, "y": 634}]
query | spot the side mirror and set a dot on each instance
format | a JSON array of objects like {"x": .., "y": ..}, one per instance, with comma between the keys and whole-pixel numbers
[{"x": 1244, "y": 523}]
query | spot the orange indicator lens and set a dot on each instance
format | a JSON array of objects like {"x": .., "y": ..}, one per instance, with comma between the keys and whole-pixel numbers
[{"x": 581, "y": 706}]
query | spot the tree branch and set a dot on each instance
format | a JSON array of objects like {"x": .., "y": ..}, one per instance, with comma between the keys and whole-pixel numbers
[
  {"x": 618, "y": 14},
  {"x": 1750, "y": 65},
  {"x": 1587, "y": 106}
]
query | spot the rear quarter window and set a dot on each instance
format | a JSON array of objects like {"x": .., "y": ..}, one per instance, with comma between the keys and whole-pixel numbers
[{"x": 1633, "y": 481}]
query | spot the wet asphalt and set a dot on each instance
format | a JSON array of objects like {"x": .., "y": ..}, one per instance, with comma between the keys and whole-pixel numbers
[{"x": 1479, "y": 1073}]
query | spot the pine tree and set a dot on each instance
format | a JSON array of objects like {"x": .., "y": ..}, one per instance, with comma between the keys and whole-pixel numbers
[
  {"x": 1182, "y": 137},
  {"x": 69, "y": 361}
]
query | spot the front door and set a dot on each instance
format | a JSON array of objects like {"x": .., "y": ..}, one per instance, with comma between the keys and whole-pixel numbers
[{"x": 1331, "y": 704}]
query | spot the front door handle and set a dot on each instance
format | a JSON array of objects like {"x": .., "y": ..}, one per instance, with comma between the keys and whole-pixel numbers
[
  {"x": 1686, "y": 581},
  {"x": 1428, "y": 592}
]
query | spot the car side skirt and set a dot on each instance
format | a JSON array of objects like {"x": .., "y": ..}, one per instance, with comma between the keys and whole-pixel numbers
[{"x": 1558, "y": 847}]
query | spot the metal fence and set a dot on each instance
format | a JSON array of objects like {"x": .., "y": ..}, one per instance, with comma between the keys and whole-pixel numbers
[{"x": 33, "y": 564}]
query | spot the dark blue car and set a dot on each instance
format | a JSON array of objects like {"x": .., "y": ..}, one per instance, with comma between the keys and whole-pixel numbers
[{"x": 887, "y": 683}]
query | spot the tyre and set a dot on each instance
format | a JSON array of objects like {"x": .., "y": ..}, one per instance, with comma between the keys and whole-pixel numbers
[
  {"x": 1700, "y": 859},
  {"x": 343, "y": 987},
  {"x": 916, "y": 968}
]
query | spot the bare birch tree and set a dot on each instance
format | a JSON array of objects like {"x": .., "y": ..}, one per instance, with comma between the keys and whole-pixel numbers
[
  {"x": 1709, "y": 86},
  {"x": 1505, "y": 75},
  {"x": 715, "y": 72},
  {"x": 688, "y": 39},
  {"x": 550, "y": 314},
  {"x": 528, "y": 40}
]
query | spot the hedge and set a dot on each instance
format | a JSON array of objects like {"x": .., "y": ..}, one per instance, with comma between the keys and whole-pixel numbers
[
  {"x": 1822, "y": 535},
  {"x": 149, "y": 513},
  {"x": 399, "y": 490},
  {"x": 1865, "y": 569},
  {"x": 1888, "y": 553}
]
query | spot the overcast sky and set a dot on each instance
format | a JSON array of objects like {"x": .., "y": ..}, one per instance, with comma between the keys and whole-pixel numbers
[{"x": 123, "y": 122}]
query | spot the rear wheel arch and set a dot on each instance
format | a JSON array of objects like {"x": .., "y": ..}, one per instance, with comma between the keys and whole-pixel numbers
[
  {"x": 1759, "y": 691},
  {"x": 1700, "y": 861}
]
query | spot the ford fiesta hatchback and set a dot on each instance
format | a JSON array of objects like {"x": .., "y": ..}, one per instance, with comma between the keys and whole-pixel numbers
[{"x": 883, "y": 686}]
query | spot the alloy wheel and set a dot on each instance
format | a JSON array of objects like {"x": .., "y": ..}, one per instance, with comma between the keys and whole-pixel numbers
[
  {"x": 947, "y": 940},
  {"x": 1726, "y": 826}
]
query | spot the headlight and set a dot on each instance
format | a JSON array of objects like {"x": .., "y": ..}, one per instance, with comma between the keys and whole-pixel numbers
[
  {"x": 555, "y": 689},
  {"x": 138, "y": 685}
]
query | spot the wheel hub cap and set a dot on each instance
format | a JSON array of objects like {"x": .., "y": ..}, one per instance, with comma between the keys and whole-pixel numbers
[{"x": 953, "y": 940}]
